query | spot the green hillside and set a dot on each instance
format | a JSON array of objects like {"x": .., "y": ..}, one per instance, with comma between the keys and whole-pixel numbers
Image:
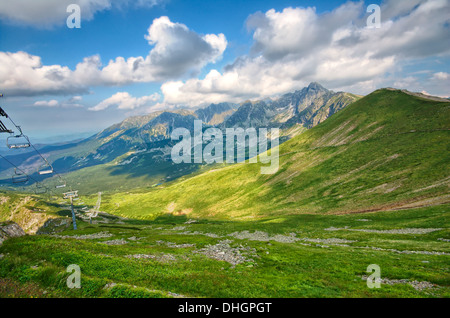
[
  {"x": 389, "y": 150},
  {"x": 232, "y": 232}
]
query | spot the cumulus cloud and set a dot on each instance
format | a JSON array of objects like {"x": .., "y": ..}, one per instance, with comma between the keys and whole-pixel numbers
[
  {"x": 46, "y": 13},
  {"x": 125, "y": 101},
  {"x": 23, "y": 74},
  {"x": 441, "y": 76},
  {"x": 176, "y": 51},
  {"x": 69, "y": 103},
  {"x": 297, "y": 45},
  {"x": 47, "y": 103}
]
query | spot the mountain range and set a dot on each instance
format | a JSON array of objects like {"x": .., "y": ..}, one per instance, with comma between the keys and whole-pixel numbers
[{"x": 139, "y": 147}]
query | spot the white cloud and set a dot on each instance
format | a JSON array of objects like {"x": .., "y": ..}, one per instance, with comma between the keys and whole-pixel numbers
[
  {"x": 177, "y": 51},
  {"x": 125, "y": 101},
  {"x": 47, "y": 103},
  {"x": 441, "y": 76},
  {"x": 46, "y": 13},
  {"x": 296, "y": 46},
  {"x": 70, "y": 103},
  {"x": 24, "y": 74}
]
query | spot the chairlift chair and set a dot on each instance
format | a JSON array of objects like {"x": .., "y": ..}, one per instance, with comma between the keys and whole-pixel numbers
[
  {"x": 19, "y": 177},
  {"x": 45, "y": 169},
  {"x": 61, "y": 186},
  {"x": 19, "y": 141},
  {"x": 40, "y": 189},
  {"x": 71, "y": 194}
]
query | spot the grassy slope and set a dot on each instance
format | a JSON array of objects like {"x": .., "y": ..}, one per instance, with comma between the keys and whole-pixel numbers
[
  {"x": 35, "y": 266},
  {"x": 388, "y": 150}
]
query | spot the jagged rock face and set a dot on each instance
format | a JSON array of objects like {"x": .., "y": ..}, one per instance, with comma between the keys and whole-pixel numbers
[
  {"x": 215, "y": 114},
  {"x": 10, "y": 230},
  {"x": 307, "y": 107}
]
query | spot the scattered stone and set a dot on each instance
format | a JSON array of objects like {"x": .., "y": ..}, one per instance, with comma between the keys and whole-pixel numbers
[
  {"x": 420, "y": 286},
  {"x": 163, "y": 258},
  {"x": 443, "y": 240},
  {"x": 264, "y": 237},
  {"x": 174, "y": 295},
  {"x": 115, "y": 242},
  {"x": 173, "y": 245},
  {"x": 363, "y": 220},
  {"x": 222, "y": 251},
  {"x": 134, "y": 238},
  {"x": 212, "y": 235},
  {"x": 333, "y": 241},
  {"x": 290, "y": 238},
  {"x": 403, "y": 252},
  {"x": 396, "y": 231},
  {"x": 141, "y": 256},
  {"x": 110, "y": 285},
  {"x": 86, "y": 236}
]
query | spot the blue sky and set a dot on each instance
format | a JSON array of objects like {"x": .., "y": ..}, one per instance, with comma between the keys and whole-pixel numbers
[{"x": 134, "y": 57}]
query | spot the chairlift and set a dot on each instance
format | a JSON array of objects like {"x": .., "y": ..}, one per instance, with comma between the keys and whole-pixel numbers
[
  {"x": 40, "y": 189},
  {"x": 61, "y": 186},
  {"x": 71, "y": 194},
  {"x": 45, "y": 169},
  {"x": 19, "y": 177},
  {"x": 19, "y": 141}
]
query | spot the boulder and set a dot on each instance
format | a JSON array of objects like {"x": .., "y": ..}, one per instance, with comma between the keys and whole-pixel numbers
[{"x": 10, "y": 230}]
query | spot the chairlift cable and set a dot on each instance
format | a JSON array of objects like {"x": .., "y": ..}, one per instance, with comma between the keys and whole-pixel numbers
[
  {"x": 35, "y": 149},
  {"x": 23, "y": 172},
  {"x": 3, "y": 113}
]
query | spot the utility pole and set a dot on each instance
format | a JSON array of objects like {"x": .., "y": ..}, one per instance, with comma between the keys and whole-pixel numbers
[
  {"x": 73, "y": 214},
  {"x": 71, "y": 195}
]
